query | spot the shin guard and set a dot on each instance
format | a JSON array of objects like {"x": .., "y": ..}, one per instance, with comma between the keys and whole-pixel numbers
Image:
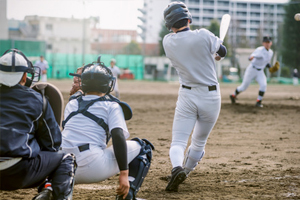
[{"x": 139, "y": 167}]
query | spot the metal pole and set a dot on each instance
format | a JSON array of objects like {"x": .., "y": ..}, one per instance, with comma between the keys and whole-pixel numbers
[{"x": 83, "y": 33}]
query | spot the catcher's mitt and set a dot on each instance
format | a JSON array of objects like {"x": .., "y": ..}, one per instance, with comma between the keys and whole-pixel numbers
[
  {"x": 76, "y": 82},
  {"x": 274, "y": 68}
]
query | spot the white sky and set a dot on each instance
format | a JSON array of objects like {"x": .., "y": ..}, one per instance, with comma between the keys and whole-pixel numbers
[{"x": 114, "y": 14}]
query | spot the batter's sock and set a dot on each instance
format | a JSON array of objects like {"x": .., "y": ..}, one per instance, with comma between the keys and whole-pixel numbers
[
  {"x": 236, "y": 92},
  {"x": 48, "y": 186}
]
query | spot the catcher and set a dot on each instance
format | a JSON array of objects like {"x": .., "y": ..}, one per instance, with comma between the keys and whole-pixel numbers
[
  {"x": 92, "y": 117},
  {"x": 260, "y": 59}
]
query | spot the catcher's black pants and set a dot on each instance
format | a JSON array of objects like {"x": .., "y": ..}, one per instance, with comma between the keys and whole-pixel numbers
[{"x": 31, "y": 172}]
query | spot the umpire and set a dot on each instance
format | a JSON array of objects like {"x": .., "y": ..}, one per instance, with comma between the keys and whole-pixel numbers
[{"x": 29, "y": 135}]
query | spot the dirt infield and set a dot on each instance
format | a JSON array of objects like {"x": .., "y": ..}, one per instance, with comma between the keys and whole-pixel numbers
[{"x": 252, "y": 153}]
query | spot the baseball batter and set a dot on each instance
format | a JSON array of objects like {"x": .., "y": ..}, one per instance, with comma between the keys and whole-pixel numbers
[
  {"x": 116, "y": 72},
  {"x": 192, "y": 53},
  {"x": 90, "y": 121},
  {"x": 260, "y": 59}
]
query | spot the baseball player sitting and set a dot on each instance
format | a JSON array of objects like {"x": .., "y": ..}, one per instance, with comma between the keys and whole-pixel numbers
[
  {"x": 260, "y": 59},
  {"x": 192, "y": 53},
  {"x": 29, "y": 135},
  {"x": 90, "y": 121}
]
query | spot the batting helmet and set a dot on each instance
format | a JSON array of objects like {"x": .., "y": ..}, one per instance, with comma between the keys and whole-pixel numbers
[
  {"x": 175, "y": 12},
  {"x": 13, "y": 64},
  {"x": 96, "y": 77}
]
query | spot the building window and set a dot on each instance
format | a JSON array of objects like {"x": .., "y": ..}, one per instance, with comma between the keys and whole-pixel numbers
[
  {"x": 255, "y": 6},
  {"x": 241, "y": 5},
  {"x": 35, "y": 27},
  {"x": 49, "y": 27},
  {"x": 241, "y": 13},
  {"x": 196, "y": 10},
  {"x": 100, "y": 38},
  {"x": 255, "y": 14}
]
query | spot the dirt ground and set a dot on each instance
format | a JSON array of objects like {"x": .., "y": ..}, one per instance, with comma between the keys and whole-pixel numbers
[{"x": 252, "y": 153}]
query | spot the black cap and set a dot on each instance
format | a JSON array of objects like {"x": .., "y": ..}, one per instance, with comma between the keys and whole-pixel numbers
[{"x": 267, "y": 39}]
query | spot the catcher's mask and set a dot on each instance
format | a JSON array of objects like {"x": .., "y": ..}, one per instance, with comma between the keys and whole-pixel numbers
[
  {"x": 96, "y": 77},
  {"x": 175, "y": 12},
  {"x": 13, "y": 64}
]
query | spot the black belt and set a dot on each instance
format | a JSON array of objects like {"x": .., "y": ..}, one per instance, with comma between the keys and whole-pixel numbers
[
  {"x": 210, "y": 88},
  {"x": 256, "y": 68},
  {"x": 84, "y": 147}
]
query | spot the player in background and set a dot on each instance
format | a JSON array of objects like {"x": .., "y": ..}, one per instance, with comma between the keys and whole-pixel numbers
[
  {"x": 192, "y": 53},
  {"x": 116, "y": 72},
  {"x": 43, "y": 65},
  {"x": 260, "y": 59},
  {"x": 295, "y": 76},
  {"x": 94, "y": 117},
  {"x": 29, "y": 135}
]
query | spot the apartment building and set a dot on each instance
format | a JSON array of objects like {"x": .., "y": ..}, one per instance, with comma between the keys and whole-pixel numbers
[
  {"x": 3, "y": 21},
  {"x": 251, "y": 19}
]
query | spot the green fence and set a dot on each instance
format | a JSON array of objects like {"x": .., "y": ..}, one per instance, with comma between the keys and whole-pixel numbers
[
  {"x": 29, "y": 48},
  {"x": 60, "y": 65}
]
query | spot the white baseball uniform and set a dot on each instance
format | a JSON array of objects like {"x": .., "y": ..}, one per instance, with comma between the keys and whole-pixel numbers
[
  {"x": 98, "y": 162},
  {"x": 199, "y": 101},
  {"x": 44, "y": 66},
  {"x": 116, "y": 72},
  {"x": 255, "y": 70}
]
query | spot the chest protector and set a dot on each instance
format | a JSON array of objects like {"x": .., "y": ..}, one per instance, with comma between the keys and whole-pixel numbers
[{"x": 83, "y": 107}]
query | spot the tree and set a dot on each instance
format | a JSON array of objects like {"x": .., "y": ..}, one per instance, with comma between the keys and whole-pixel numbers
[
  {"x": 291, "y": 42},
  {"x": 214, "y": 27},
  {"x": 132, "y": 48},
  {"x": 163, "y": 31}
]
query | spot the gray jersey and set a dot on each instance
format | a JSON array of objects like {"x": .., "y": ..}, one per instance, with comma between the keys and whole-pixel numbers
[{"x": 192, "y": 54}]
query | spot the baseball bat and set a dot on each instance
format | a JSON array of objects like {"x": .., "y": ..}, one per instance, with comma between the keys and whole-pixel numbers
[
  {"x": 224, "y": 26},
  {"x": 223, "y": 30}
]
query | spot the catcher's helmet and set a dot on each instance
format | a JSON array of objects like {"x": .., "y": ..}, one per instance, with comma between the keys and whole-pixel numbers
[
  {"x": 13, "y": 64},
  {"x": 96, "y": 77},
  {"x": 175, "y": 12}
]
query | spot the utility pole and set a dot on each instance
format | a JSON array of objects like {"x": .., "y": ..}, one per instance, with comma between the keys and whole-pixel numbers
[{"x": 83, "y": 33}]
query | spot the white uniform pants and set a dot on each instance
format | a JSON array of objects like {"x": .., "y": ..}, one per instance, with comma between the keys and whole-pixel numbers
[
  {"x": 44, "y": 78},
  {"x": 116, "y": 89},
  {"x": 295, "y": 80},
  {"x": 250, "y": 74},
  {"x": 196, "y": 109},
  {"x": 96, "y": 164}
]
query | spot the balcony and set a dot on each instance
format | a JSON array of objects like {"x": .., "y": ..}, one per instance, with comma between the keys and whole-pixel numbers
[{"x": 142, "y": 11}]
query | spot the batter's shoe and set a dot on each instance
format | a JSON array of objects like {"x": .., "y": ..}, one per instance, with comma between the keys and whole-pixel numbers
[
  {"x": 258, "y": 104},
  {"x": 177, "y": 177},
  {"x": 45, "y": 194},
  {"x": 232, "y": 98}
]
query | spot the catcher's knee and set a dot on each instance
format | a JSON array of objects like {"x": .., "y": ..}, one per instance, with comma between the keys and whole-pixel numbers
[
  {"x": 63, "y": 178},
  {"x": 139, "y": 166}
]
